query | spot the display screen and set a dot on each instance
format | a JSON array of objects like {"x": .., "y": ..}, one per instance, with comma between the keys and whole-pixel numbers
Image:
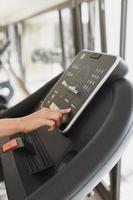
[{"x": 78, "y": 82}]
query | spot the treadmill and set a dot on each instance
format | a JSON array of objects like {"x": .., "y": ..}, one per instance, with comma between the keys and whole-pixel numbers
[{"x": 69, "y": 163}]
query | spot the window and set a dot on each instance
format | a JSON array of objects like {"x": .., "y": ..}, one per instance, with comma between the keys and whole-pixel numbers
[
  {"x": 67, "y": 35},
  {"x": 90, "y": 25},
  {"x": 113, "y": 18},
  {"x": 41, "y": 50},
  {"x": 129, "y": 39}
]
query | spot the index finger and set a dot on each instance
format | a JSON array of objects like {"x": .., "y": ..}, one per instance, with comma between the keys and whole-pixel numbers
[{"x": 65, "y": 111}]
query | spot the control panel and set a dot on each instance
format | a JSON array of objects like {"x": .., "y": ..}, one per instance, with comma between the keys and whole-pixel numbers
[{"x": 80, "y": 82}]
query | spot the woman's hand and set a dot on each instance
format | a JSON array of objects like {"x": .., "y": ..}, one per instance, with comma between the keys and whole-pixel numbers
[{"x": 43, "y": 117}]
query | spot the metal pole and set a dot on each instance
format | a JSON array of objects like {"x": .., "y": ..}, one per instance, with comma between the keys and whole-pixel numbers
[
  {"x": 123, "y": 28},
  {"x": 77, "y": 28},
  {"x": 103, "y": 191},
  {"x": 115, "y": 179},
  {"x": 102, "y": 25},
  {"x": 19, "y": 49},
  {"x": 91, "y": 25},
  {"x": 62, "y": 40}
]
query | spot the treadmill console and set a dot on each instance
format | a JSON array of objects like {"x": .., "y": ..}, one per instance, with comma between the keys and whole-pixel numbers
[{"x": 81, "y": 81}]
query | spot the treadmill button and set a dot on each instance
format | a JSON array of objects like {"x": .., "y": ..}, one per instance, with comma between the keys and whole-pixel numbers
[
  {"x": 73, "y": 106},
  {"x": 10, "y": 145},
  {"x": 18, "y": 144}
]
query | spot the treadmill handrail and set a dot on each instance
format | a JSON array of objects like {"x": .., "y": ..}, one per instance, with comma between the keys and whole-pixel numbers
[{"x": 82, "y": 179}]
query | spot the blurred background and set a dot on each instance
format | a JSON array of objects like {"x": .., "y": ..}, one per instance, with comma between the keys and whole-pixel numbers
[{"x": 43, "y": 37}]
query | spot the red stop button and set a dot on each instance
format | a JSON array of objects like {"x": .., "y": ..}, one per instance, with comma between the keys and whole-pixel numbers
[{"x": 9, "y": 145}]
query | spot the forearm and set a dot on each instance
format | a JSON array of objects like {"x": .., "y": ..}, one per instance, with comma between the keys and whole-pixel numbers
[
  {"x": 10, "y": 127},
  {"x": 43, "y": 117}
]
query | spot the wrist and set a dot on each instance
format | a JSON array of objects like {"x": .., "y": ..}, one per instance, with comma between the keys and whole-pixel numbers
[{"x": 21, "y": 124}]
